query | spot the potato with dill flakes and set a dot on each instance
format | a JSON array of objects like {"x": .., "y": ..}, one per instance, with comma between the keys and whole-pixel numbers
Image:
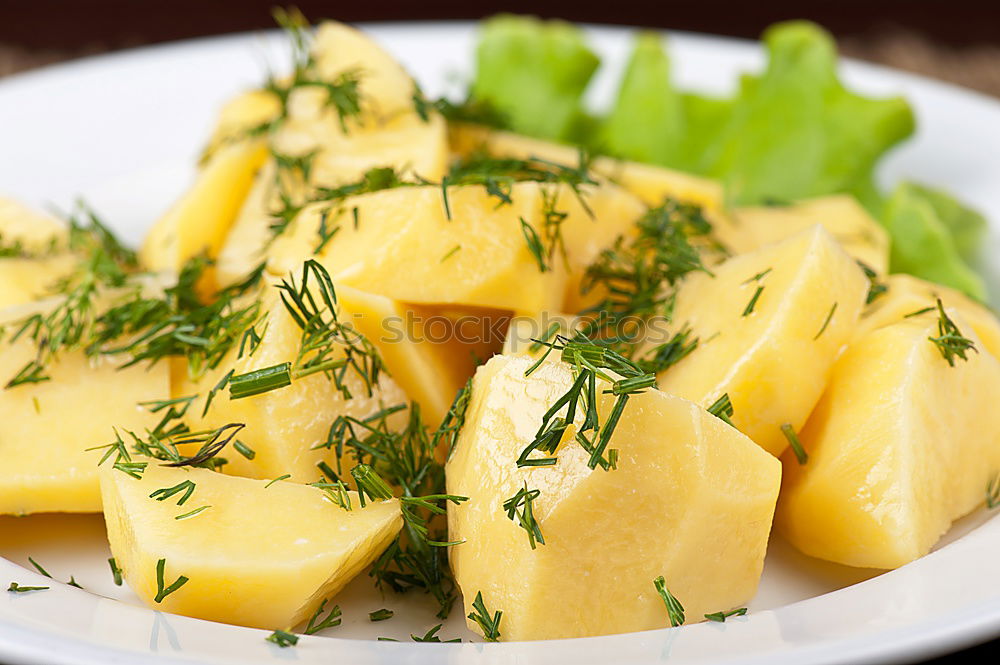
[
  {"x": 249, "y": 552},
  {"x": 905, "y": 296},
  {"x": 904, "y": 441},
  {"x": 47, "y": 426},
  {"x": 689, "y": 498},
  {"x": 351, "y": 111},
  {"x": 33, "y": 255},
  {"x": 770, "y": 324},
  {"x": 650, "y": 183},
  {"x": 853, "y": 227}
]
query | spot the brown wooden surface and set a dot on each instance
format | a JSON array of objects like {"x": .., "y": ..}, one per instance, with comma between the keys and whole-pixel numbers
[{"x": 952, "y": 40}]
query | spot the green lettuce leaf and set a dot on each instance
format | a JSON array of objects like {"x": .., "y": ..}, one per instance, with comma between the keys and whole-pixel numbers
[
  {"x": 652, "y": 121},
  {"x": 796, "y": 131},
  {"x": 792, "y": 132},
  {"x": 966, "y": 226},
  {"x": 647, "y": 122},
  {"x": 534, "y": 74},
  {"x": 922, "y": 242}
]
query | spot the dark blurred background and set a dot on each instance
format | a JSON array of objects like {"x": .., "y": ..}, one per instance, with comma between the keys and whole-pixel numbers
[{"x": 954, "y": 40}]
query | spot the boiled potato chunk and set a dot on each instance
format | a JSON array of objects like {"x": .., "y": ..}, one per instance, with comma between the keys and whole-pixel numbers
[
  {"x": 430, "y": 366},
  {"x": 388, "y": 132},
  {"x": 907, "y": 294},
  {"x": 691, "y": 499},
  {"x": 593, "y": 221},
  {"x": 405, "y": 143},
  {"x": 241, "y": 114},
  {"x": 45, "y": 428},
  {"x": 246, "y": 242},
  {"x": 770, "y": 324},
  {"x": 199, "y": 221},
  {"x": 33, "y": 231},
  {"x": 404, "y": 246},
  {"x": 25, "y": 280},
  {"x": 900, "y": 445},
  {"x": 859, "y": 234},
  {"x": 385, "y": 88},
  {"x": 258, "y": 556},
  {"x": 284, "y": 426},
  {"x": 650, "y": 183}
]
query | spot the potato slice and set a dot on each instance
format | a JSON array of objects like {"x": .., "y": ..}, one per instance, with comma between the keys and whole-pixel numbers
[
  {"x": 199, "y": 221},
  {"x": 650, "y": 183},
  {"x": 34, "y": 231},
  {"x": 25, "y": 280},
  {"x": 907, "y": 294},
  {"x": 404, "y": 246},
  {"x": 770, "y": 324},
  {"x": 45, "y": 428},
  {"x": 691, "y": 500},
  {"x": 859, "y": 234},
  {"x": 285, "y": 426},
  {"x": 900, "y": 445},
  {"x": 258, "y": 555}
]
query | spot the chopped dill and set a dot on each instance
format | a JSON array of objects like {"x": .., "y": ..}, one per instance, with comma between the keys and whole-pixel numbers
[
  {"x": 876, "y": 288},
  {"x": 278, "y": 480},
  {"x": 283, "y": 639},
  {"x": 318, "y": 622},
  {"x": 192, "y": 513},
  {"x": 722, "y": 409},
  {"x": 380, "y": 615},
  {"x": 748, "y": 310},
  {"x": 993, "y": 492},
  {"x": 17, "y": 588},
  {"x": 720, "y": 617},
  {"x": 490, "y": 625},
  {"x": 826, "y": 322},
  {"x": 950, "y": 341},
  {"x": 589, "y": 361},
  {"x": 164, "y": 591},
  {"x": 327, "y": 345},
  {"x": 185, "y": 488},
  {"x": 116, "y": 572},
  {"x": 519, "y": 510},
  {"x": 636, "y": 278},
  {"x": 793, "y": 441},
  {"x": 675, "y": 611}
]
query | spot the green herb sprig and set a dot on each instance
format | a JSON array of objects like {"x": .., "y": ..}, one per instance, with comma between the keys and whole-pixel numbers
[
  {"x": 637, "y": 276},
  {"x": 318, "y": 622},
  {"x": 283, "y": 639},
  {"x": 675, "y": 611},
  {"x": 722, "y": 409},
  {"x": 720, "y": 617},
  {"x": 519, "y": 510},
  {"x": 950, "y": 341},
  {"x": 164, "y": 591},
  {"x": 327, "y": 345},
  {"x": 490, "y": 625}
]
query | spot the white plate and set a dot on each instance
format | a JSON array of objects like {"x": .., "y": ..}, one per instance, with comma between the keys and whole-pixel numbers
[{"x": 123, "y": 131}]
